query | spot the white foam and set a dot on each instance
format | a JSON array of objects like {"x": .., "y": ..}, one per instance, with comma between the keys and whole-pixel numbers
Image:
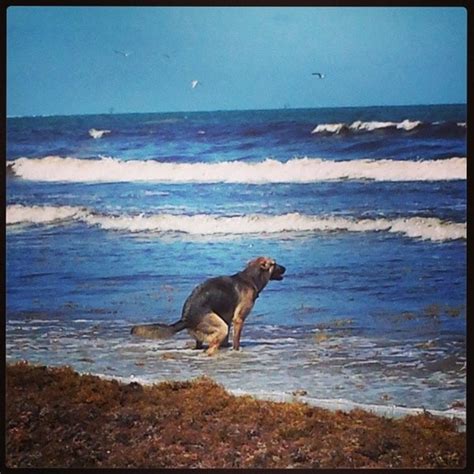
[
  {"x": 425, "y": 228},
  {"x": 329, "y": 128},
  {"x": 97, "y": 133},
  {"x": 297, "y": 170},
  {"x": 370, "y": 126},
  {"x": 19, "y": 214},
  {"x": 408, "y": 125},
  {"x": 156, "y": 193},
  {"x": 360, "y": 126},
  {"x": 43, "y": 321},
  {"x": 391, "y": 411}
]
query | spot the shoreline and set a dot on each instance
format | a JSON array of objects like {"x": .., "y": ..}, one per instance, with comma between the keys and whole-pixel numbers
[
  {"x": 56, "y": 417},
  {"x": 456, "y": 411},
  {"x": 331, "y": 404}
]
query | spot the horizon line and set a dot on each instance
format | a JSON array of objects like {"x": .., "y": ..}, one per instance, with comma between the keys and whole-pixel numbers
[{"x": 231, "y": 110}]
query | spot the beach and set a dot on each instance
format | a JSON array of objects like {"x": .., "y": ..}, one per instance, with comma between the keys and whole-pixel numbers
[
  {"x": 235, "y": 239},
  {"x": 56, "y": 418},
  {"x": 365, "y": 207}
]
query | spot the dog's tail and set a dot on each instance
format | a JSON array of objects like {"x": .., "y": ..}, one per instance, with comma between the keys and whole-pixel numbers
[{"x": 157, "y": 330}]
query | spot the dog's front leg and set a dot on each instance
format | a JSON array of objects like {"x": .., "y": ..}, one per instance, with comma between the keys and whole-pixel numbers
[
  {"x": 240, "y": 314},
  {"x": 238, "y": 325}
]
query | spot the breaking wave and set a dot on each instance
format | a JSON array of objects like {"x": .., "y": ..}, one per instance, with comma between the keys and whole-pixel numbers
[
  {"x": 425, "y": 228},
  {"x": 371, "y": 126},
  {"x": 297, "y": 170},
  {"x": 19, "y": 214}
]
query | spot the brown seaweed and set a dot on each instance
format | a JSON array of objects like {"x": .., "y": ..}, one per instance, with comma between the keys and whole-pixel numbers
[{"x": 58, "y": 418}]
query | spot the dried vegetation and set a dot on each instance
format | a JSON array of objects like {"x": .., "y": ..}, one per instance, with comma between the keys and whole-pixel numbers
[{"x": 58, "y": 418}]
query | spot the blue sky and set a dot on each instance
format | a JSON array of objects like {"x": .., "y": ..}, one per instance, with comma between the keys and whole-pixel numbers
[{"x": 61, "y": 60}]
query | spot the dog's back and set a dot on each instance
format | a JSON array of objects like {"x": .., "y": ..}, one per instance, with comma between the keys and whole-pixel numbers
[{"x": 217, "y": 295}]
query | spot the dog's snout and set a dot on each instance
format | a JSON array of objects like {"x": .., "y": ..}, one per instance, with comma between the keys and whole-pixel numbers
[
  {"x": 281, "y": 269},
  {"x": 277, "y": 273}
]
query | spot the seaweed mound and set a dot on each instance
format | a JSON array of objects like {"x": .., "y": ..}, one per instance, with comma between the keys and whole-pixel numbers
[{"x": 58, "y": 418}]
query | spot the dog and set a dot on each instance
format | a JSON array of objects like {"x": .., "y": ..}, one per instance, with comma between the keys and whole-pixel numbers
[{"x": 213, "y": 306}]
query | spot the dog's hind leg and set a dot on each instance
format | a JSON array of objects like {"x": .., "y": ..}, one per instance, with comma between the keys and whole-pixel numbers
[
  {"x": 198, "y": 344},
  {"x": 219, "y": 337},
  {"x": 212, "y": 330},
  {"x": 225, "y": 342}
]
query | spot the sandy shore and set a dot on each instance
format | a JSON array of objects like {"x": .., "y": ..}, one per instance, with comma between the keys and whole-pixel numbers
[{"x": 58, "y": 418}]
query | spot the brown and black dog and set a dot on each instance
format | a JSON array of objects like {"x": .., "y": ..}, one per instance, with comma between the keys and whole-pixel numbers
[{"x": 214, "y": 305}]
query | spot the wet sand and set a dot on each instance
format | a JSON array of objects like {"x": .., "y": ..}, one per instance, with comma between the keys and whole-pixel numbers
[{"x": 58, "y": 418}]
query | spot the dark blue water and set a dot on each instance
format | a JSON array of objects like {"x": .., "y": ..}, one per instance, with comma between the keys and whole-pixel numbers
[
  {"x": 103, "y": 233},
  {"x": 224, "y": 136}
]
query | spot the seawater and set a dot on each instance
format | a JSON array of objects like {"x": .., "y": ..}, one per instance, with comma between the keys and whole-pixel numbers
[{"x": 365, "y": 207}]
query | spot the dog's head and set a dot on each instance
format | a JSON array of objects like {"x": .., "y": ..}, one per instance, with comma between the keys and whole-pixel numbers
[{"x": 267, "y": 268}]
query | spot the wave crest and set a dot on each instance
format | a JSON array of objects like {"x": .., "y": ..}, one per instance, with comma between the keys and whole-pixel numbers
[
  {"x": 425, "y": 228},
  {"x": 374, "y": 125},
  {"x": 19, "y": 214},
  {"x": 298, "y": 170}
]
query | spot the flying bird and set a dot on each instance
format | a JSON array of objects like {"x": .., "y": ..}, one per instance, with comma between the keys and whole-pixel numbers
[
  {"x": 195, "y": 83},
  {"x": 123, "y": 53},
  {"x": 318, "y": 74}
]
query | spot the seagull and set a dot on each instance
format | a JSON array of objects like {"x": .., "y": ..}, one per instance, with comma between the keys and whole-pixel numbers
[
  {"x": 320, "y": 75},
  {"x": 123, "y": 53},
  {"x": 195, "y": 83}
]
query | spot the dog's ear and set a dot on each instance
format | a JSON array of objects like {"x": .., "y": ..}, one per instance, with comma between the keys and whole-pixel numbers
[
  {"x": 263, "y": 263},
  {"x": 258, "y": 262},
  {"x": 266, "y": 263}
]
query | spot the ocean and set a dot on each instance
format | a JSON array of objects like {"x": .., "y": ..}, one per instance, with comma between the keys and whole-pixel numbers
[{"x": 113, "y": 219}]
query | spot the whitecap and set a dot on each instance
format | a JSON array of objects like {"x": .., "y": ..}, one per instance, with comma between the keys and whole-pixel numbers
[
  {"x": 21, "y": 214},
  {"x": 329, "y": 128},
  {"x": 297, "y": 170},
  {"x": 408, "y": 125},
  {"x": 98, "y": 133},
  {"x": 370, "y": 126},
  {"x": 425, "y": 228}
]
